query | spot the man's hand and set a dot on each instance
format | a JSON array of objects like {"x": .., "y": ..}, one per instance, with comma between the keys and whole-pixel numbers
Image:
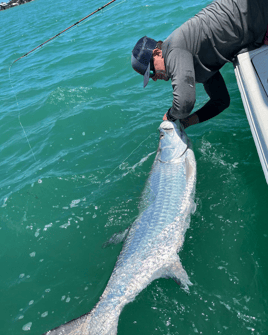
[{"x": 165, "y": 117}]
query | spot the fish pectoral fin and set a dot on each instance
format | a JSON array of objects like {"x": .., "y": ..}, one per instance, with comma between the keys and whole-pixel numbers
[
  {"x": 178, "y": 274},
  {"x": 117, "y": 238},
  {"x": 189, "y": 170}
]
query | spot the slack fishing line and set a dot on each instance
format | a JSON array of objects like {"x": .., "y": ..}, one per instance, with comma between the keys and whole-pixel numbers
[
  {"x": 84, "y": 19},
  {"x": 132, "y": 152},
  {"x": 119, "y": 166},
  {"x": 19, "y": 116}
]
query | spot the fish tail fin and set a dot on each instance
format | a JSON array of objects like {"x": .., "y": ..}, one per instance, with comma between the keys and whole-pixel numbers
[
  {"x": 89, "y": 324},
  {"x": 178, "y": 273},
  {"x": 74, "y": 327}
]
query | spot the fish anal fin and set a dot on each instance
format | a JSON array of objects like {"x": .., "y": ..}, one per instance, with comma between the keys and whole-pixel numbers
[{"x": 178, "y": 274}]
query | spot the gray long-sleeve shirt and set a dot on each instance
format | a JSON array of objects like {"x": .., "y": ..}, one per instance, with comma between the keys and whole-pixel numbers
[{"x": 201, "y": 46}]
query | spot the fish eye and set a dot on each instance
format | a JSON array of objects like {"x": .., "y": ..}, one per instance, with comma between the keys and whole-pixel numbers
[{"x": 161, "y": 136}]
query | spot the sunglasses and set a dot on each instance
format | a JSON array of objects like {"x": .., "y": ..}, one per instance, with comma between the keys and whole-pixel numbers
[{"x": 152, "y": 69}]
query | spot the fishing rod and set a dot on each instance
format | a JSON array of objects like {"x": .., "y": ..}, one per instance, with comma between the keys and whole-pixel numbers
[{"x": 39, "y": 46}]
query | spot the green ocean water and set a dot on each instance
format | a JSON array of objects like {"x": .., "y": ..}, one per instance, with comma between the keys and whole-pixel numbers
[{"x": 78, "y": 135}]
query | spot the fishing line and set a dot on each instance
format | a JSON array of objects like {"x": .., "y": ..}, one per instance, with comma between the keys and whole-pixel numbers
[
  {"x": 19, "y": 116},
  {"x": 85, "y": 19},
  {"x": 128, "y": 155},
  {"x": 118, "y": 166}
]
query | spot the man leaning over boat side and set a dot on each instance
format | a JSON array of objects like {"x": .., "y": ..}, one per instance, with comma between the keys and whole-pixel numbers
[{"x": 197, "y": 50}]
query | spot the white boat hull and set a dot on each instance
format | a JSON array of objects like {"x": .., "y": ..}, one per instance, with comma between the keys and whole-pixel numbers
[{"x": 251, "y": 70}]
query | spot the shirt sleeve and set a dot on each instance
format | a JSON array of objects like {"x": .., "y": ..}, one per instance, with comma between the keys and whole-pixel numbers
[
  {"x": 219, "y": 98},
  {"x": 180, "y": 68}
]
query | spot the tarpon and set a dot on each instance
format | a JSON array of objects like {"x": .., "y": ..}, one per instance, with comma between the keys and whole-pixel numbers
[{"x": 151, "y": 247}]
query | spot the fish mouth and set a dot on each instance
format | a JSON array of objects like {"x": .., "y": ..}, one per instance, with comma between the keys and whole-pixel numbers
[
  {"x": 167, "y": 128},
  {"x": 164, "y": 131},
  {"x": 170, "y": 130},
  {"x": 173, "y": 142}
]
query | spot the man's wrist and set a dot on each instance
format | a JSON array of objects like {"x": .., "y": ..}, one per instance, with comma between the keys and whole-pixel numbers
[{"x": 169, "y": 116}]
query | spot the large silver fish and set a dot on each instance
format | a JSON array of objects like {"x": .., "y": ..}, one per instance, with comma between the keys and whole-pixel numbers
[{"x": 153, "y": 240}]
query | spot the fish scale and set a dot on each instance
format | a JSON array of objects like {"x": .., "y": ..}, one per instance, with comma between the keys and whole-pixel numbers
[{"x": 151, "y": 246}]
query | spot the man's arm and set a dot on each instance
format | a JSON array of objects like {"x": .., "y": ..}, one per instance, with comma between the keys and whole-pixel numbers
[
  {"x": 219, "y": 98},
  {"x": 219, "y": 101},
  {"x": 180, "y": 68}
]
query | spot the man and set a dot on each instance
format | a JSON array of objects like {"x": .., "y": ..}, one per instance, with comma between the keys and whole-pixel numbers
[{"x": 196, "y": 51}]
